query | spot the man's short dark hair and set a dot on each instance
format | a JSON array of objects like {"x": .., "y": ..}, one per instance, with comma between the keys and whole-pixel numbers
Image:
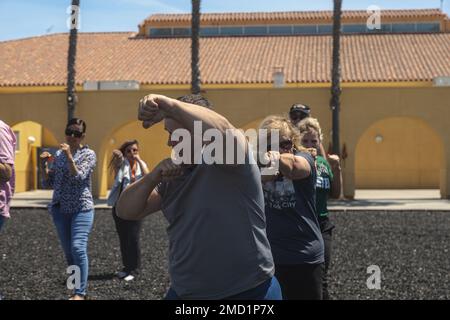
[
  {"x": 196, "y": 99},
  {"x": 78, "y": 122}
]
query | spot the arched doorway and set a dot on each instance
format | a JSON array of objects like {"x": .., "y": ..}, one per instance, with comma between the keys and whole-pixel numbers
[
  {"x": 152, "y": 144},
  {"x": 31, "y": 136},
  {"x": 399, "y": 153}
]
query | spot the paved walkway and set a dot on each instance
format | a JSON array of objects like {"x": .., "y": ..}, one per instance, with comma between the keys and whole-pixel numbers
[
  {"x": 394, "y": 200},
  {"x": 41, "y": 198},
  {"x": 379, "y": 200}
]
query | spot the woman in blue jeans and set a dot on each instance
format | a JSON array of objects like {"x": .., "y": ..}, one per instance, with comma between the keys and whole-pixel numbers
[{"x": 72, "y": 206}]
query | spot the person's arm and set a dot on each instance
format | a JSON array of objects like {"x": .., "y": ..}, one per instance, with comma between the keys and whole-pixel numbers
[
  {"x": 7, "y": 142},
  {"x": 294, "y": 167},
  {"x": 336, "y": 184},
  {"x": 291, "y": 166},
  {"x": 267, "y": 178},
  {"x": 140, "y": 198},
  {"x": 5, "y": 172},
  {"x": 142, "y": 164},
  {"x": 84, "y": 168},
  {"x": 72, "y": 167},
  {"x": 322, "y": 150},
  {"x": 44, "y": 168},
  {"x": 154, "y": 108},
  {"x": 117, "y": 161},
  {"x": 47, "y": 174},
  {"x": 70, "y": 162}
]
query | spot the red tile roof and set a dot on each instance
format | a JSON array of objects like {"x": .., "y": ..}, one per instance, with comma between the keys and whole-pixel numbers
[
  {"x": 293, "y": 15},
  {"x": 41, "y": 61}
]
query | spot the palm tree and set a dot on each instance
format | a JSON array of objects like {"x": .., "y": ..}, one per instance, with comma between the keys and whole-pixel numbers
[
  {"x": 336, "y": 74},
  {"x": 73, "y": 37},
  {"x": 195, "y": 47}
]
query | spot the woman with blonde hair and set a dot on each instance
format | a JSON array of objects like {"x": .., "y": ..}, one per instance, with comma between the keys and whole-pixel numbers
[
  {"x": 292, "y": 226},
  {"x": 328, "y": 184}
]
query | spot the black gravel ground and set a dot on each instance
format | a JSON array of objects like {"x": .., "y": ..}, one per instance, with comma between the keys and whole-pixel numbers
[{"x": 412, "y": 250}]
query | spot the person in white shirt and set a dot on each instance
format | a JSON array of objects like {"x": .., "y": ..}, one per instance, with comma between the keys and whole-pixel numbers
[{"x": 127, "y": 167}]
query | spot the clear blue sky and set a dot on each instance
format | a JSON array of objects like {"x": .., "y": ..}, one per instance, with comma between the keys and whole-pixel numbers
[{"x": 26, "y": 18}]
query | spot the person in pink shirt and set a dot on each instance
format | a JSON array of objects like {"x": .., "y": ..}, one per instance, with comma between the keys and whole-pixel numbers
[{"x": 7, "y": 176}]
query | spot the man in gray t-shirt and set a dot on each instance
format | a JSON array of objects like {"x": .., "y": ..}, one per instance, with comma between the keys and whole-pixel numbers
[{"x": 218, "y": 246}]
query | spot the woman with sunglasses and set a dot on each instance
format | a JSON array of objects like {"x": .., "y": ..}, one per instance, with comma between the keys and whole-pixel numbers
[
  {"x": 292, "y": 226},
  {"x": 127, "y": 167},
  {"x": 328, "y": 185},
  {"x": 72, "y": 205}
]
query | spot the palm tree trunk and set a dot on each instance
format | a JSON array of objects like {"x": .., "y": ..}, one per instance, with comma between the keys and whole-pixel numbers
[
  {"x": 73, "y": 37},
  {"x": 335, "y": 75},
  {"x": 195, "y": 47}
]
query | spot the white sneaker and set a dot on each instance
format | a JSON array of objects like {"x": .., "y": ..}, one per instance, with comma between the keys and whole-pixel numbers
[
  {"x": 121, "y": 274},
  {"x": 129, "y": 277}
]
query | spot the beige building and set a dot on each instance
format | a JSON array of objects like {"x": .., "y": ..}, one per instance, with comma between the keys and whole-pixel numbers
[{"x": 395, "y": 103}]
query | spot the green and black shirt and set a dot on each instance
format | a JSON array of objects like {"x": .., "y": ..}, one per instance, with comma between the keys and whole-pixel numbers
[{"x": 323, "y": 189}]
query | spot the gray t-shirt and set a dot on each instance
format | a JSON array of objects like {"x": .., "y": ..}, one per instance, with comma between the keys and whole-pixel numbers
[{"x": 218, "y": 245}]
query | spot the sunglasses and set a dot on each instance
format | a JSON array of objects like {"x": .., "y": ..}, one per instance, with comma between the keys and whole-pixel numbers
[
  {"x": 73, "y": 133},
  {"x": 283, "y": 145},
  {"x": 132, "y": 150}
]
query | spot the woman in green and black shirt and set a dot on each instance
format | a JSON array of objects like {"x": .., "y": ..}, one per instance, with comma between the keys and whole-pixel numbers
[{"x": 328, "y": 184}]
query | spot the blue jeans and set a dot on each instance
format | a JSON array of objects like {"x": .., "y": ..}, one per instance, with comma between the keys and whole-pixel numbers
[
  {"x": 268, "y": 290},
  {"x": 2, "y": 221},
  {"x": 73, "y": 231}
]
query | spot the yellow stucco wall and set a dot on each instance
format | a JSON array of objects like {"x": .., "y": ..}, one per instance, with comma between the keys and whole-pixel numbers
[
  {"x": 408, "y": 154},
  {"x": 24, "y": 162},
  {"x": 48, "y": 139},
  {"x": 112, "y": 113},
  {"x": 364, "y": 107}
]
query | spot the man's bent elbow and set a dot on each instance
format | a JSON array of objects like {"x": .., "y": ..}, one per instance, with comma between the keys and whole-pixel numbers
[
  {"x": 126, "y": 213},
  {"x": 120, "y": 209}
]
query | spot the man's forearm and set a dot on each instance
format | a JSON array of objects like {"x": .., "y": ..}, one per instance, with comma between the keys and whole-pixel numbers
[
  {"x": 186, "y": 114},
  {"x": 133, "y": 200}
]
